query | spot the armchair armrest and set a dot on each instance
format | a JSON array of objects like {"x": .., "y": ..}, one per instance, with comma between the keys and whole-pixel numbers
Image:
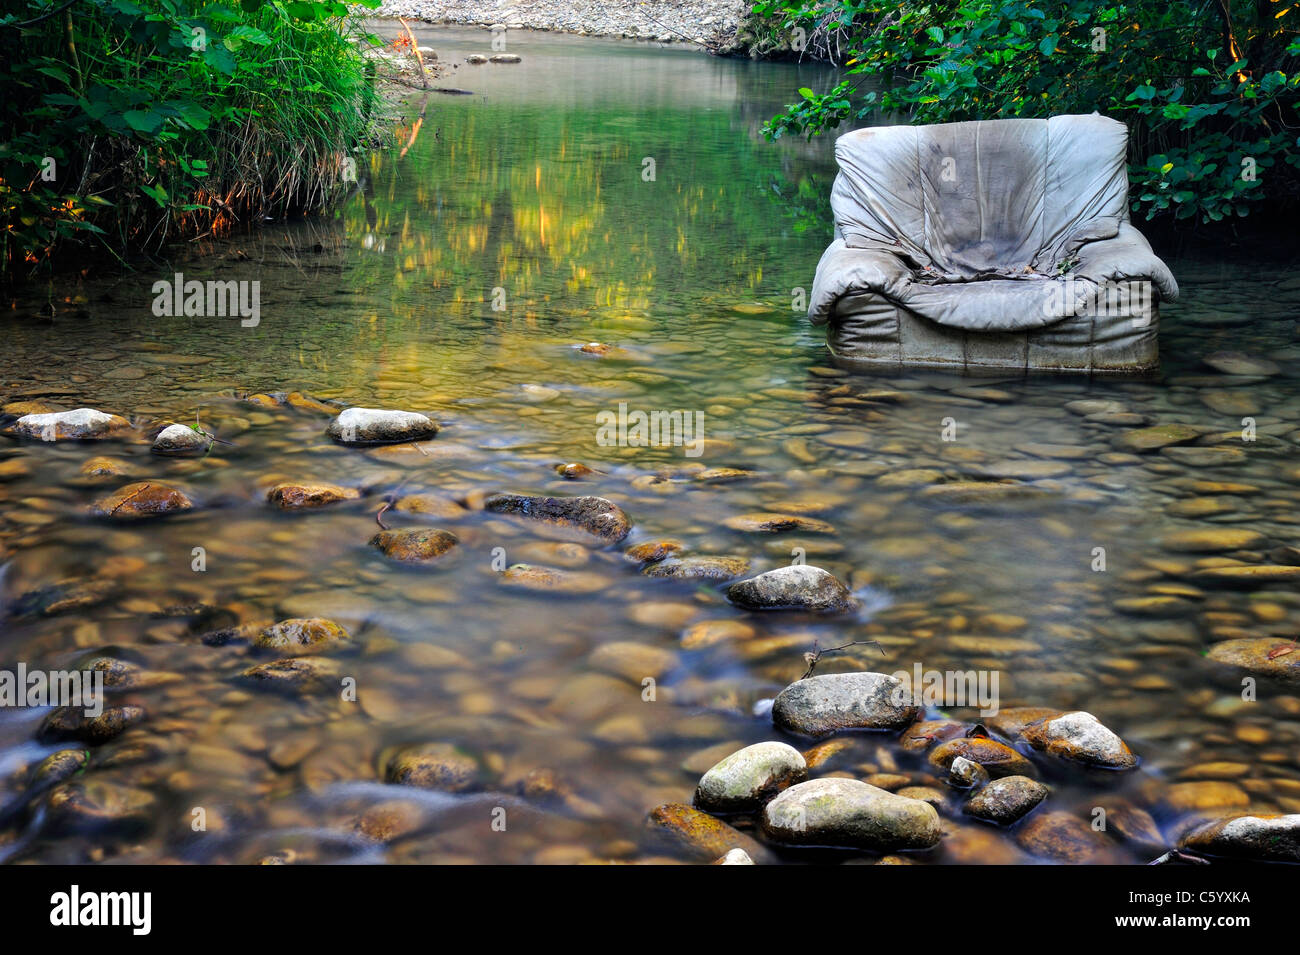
[
  {"x": 843, "y": 270},
  {"x": 1124, "y": 257}
]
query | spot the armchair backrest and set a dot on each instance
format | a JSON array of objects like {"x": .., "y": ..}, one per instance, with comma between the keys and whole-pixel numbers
[{"x": 980, "y": 196}]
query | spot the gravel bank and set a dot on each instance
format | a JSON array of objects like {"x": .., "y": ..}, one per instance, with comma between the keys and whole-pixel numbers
[{"x": 693, "y": 21}]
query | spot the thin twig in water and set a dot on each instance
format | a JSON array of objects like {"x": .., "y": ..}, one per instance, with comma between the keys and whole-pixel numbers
[
  {"x": 127, "y": 500},
  {"x": 811, "y": 658}
]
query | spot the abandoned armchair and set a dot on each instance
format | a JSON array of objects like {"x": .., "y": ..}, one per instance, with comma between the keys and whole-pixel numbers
[{"x": 1003, "y": 244}]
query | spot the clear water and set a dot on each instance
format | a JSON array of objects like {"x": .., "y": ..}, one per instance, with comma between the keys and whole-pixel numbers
[{"x": 534, "y": 187}]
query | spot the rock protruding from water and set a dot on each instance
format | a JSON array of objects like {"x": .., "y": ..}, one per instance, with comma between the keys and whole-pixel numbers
[
  {"x": 826, "y": 704},
  {"x": 699, "y": 835},
  {"x": 440, "y": 766},
  {"x": 414, "y": 545},
  {"x": 180, "y": 439},
  {"x": 1264, "y": 838},
  {"x": 364, "y": 426},
  {"x": 302, "y": 637},
  {"x": 850, "y": 814},
  {"x": 142, "y": 499},
  {"x": 81, "y": 424},
  {"x": 749, "y": 777},
  {"x": 797, "y": 587},
  {"x": 594, "y": 516},
  {"x": 1006, "y": 800},
  {"x": 1080, "y": 738}
]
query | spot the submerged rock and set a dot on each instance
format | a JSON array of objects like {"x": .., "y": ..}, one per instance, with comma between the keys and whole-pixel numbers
[
  {"x": 97, "y": 804},
  {"x": 1064, "y": 837},
  {"x": 633, "y": 661},
  {"x": 362, "y": 426},
  {"x": 998, "y": 758},
  {"x": 1212, "y": 540},
  {"x": 81, "y": 424},
  {"x": 552, "y": 580},
  {"x": 826, "y": 704},
  {"x": 292, "y": 496},
  {"x": 797, "y": 587},
  {"x": 596, "y": 516},
  {"x": 749, "y": 777},
  {"x": 698, "y": 568},
  {"x": 1247, "y": 575},
  {"x": 1081, "y": 738},
  {"x": 651, "y": 551},
  {"x": 1237, "y": 363},
  {"x": 765, "y": 523},
  {"x": 850, "y": 814},
  {"x": 57, "y": 767},
  {"x": 303, "y": 637},
  {"x": 180, "y": 439},
  {"x": 415, "y": 544},
  {"x": 432, "y": 505},
  {"x": 1156, "y": 437},
  {"x": 390, "y": 820},
  {"x": 142, "y": 499},
  {"x": 1261, "y": 837},
  {"x": 1006, "y": 800},
  {"x": 296, "y": 675},
  {"x": 72, "y": 723},
  {"x": 1267, "y": 655}
]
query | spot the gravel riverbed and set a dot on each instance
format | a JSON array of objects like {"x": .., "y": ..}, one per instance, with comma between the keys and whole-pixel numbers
[{"x": 694, "y": 21}]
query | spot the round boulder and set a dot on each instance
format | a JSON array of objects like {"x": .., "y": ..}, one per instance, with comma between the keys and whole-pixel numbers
[
  {"x": 850, "y": 814},
  {"x": 749, "y": 777}
]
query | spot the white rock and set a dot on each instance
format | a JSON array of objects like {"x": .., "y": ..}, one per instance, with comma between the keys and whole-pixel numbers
[{"x": 380, "y": 426}]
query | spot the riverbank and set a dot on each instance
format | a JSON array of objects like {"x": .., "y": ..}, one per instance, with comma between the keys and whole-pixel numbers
[{"x": 710, "y": 23}]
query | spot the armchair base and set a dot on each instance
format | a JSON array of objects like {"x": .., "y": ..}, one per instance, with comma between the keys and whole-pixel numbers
[{"x": 866, "y": 329}]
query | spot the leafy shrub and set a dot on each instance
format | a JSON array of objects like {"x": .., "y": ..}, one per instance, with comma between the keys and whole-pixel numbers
[
  {"x": 1209, "y": 90},
  {"x": 132, "y": 121}
]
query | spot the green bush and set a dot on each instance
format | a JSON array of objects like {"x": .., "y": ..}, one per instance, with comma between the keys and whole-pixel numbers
[
  {"x": 132, "y": 121},
  {"x": 1209, "y": 90}
]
